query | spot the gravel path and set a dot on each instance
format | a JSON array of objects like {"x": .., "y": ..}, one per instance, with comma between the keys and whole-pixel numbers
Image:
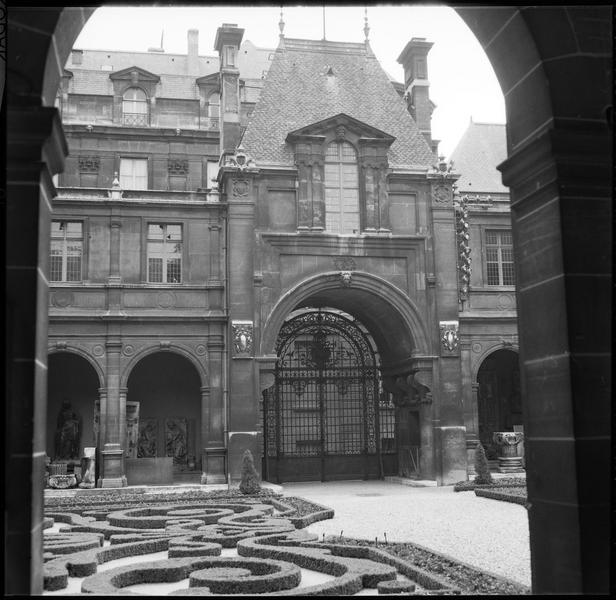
[{"x": 487, "y": 534}]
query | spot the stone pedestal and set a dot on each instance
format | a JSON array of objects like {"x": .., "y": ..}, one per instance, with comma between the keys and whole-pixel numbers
[
  {"x": 471, "y": 447},
  {"x": 88, "y": 469},
  {"x": 508, "y": 459},
  {"x": 112, "y": 467},
  {"x": 213, "y": 465}
]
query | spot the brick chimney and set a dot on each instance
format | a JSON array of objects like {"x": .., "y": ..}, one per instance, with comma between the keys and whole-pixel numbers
[
  {"x": 414, "y": 60},
  {"x": 193, "y": 52},
  {"x": 227, "y": 44}
]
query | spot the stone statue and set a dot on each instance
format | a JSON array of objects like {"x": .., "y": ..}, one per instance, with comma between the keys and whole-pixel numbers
[
  {"x": 68, "y": 433},
  {"x": 176, "y": 440}
]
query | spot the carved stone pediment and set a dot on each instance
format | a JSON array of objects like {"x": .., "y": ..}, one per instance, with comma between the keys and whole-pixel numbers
[
  {"x": 341, "y": 125},
  {"x": 134, "y": 75}
]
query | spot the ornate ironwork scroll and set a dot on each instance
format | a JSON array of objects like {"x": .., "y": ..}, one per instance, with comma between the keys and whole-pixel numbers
[{"x": 325, "y": 399}]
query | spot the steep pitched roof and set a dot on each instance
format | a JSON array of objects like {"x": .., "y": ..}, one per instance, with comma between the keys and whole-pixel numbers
[
  {"x": 482, "y": 147},
  {"x": 298, "y": 92}
]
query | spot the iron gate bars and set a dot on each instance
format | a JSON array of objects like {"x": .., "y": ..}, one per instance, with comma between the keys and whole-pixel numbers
[{"x": 325, "y": 398}]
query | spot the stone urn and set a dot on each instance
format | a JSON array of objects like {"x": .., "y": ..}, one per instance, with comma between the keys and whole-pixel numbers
[{"x": 509, "y": 460}]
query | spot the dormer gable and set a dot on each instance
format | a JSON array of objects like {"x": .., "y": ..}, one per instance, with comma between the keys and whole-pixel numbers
[
  {"x": 134, "y": 77},
  {"x": 211, "y": 82},
  {"x": 341, "y": 125}
]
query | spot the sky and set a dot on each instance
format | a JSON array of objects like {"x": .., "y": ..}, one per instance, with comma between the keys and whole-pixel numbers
[{"x": 462, "y": 81}]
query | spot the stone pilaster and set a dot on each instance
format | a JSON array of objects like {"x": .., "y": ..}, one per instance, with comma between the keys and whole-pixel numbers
[
  {"x": 114, "y": 418},
  {"x": 373, "y": 185},
  {"x": 448, "y": 414},
  {"x": 311, "y": 185},
  {"x": 35, "y": 151}
]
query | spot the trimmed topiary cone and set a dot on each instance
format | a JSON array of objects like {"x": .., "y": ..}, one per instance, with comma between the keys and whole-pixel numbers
[
  {"x": 249, "y": 483},
  {"x": 481, "y": 466}
]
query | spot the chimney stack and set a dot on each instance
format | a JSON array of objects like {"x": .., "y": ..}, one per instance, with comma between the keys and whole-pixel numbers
[
  {"x": 414, "y": 59},
  {"x": 193, "y": 52},
  {"x": 227, "y": 44}
]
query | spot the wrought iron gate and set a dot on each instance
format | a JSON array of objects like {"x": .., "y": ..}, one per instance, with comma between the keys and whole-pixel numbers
[{"x": 322, "y": 416}]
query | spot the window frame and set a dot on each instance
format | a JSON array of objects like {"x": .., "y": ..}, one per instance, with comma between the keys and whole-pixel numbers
[
  {"x": 146, "y": 158},
  {"x": 145, "y": 103},
  {"x": 499, "y": 231},
  {"x": 340, "y": 144},
  {"x": 84, "y": 255},
  {"x": 146, "y": 254}
]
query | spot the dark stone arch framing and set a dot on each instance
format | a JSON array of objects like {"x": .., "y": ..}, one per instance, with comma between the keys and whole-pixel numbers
[{"x": 551, "y": 134}]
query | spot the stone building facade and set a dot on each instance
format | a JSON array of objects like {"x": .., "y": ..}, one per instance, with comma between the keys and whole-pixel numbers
[{"x": 246, "y": 253}]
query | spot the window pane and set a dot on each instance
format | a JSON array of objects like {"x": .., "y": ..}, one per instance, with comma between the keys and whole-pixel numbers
[
  {"x": 57, "y": 229},
  {"x": 174, "y": 270},
  {"x": 348, "y": 153},
  {"x": 73, "y": 268},
  {"x": 491, "y": 237},
  {"x": 155, "y": 270},
  {"x": 74, "y": 229},
  {"x": 174, "y": 232},
  {"x": 155, "y": 231},
  {"x": 55, "y": 261},
  {"x": 493, "y": 274},
  {"x": 508, "y": 274}
]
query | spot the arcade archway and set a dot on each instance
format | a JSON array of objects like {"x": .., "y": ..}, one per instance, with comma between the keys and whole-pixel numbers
[
  {"x": 499, "y": 402},
  {"x": 163, "y": 414},
  {"x": 72, "y": 394}
]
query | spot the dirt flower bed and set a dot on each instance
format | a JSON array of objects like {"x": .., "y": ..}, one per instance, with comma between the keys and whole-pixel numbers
[{"x": 460, "y": 576}]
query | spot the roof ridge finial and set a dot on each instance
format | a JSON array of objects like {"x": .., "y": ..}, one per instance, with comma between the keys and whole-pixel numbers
[
  {"x": 366, "y": 26},
  {"x": 281, "y": 23}
]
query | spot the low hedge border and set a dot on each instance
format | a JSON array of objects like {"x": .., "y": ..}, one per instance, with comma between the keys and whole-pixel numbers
[
  {"x": 497, "y": 494},
  {"x": 84, "y": 563},
  {"x": 450, "y": 567},
  {"x": 308, "y": 556}
]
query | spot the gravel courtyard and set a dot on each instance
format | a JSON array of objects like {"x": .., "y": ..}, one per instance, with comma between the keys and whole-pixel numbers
[{"x": 487, "y": 534}]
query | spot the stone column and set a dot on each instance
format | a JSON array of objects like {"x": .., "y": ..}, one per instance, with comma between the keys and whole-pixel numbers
[
  {"x": 36, "y": 148},
  {"x": 561, "y": 207}
]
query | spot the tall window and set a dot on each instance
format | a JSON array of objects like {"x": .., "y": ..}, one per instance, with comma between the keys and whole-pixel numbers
[
  {"x": 134, "y": 173},
  {"x": 341, "y": 189},
  {"x": 66, "y": 251},
  {"x": 164, "y": 253},
  {"x": 499, "y": 258},
  {"x": 135, "y": 108}
]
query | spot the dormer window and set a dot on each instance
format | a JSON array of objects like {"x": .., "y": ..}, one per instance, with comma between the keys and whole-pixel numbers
[
  {"x": 135, "y": 110},
  {"x": 341, "y": 188}
]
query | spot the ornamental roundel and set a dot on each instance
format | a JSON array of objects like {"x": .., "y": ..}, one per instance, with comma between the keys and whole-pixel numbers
[
  {"x": 476, "y": 347},
  {"x": 441, "y": 194},
  {"x": 128, "y": 350},
  {"x": 98, "y": 350},
  {"x": 166, "y": 300},
  {"x": 62, "y": 298},
  {"x": 200, "y": 349},
  {"x": 504, "y": 301}
]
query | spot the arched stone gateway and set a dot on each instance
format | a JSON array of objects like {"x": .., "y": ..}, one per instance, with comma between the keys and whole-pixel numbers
[
  {"x": 404, "y": 379},
  {"x": 327, "y": 416}
]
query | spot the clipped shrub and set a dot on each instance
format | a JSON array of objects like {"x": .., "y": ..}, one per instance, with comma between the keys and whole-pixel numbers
[
  {"x": 481, "y": 466},
  {"x": 249, "y": 483}
]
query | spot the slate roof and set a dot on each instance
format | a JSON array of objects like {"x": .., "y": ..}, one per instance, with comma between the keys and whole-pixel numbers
[
  {"x": 175, "y": 82},
  {"x": 297, "y": 92},
  {"x": 482, "y": 147}
]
